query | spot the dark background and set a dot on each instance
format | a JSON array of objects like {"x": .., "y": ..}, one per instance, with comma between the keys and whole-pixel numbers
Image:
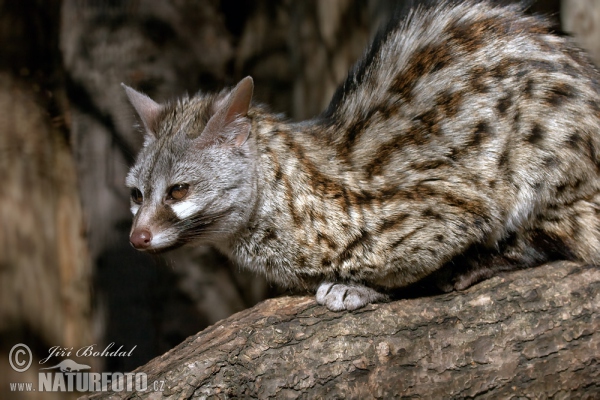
[{"x": 68, "y": 275}]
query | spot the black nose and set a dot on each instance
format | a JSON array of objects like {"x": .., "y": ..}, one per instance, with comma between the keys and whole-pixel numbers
[{"x": 140, "y": 238}]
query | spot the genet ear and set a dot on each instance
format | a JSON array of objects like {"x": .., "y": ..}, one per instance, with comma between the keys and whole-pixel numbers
[
  {"x": 147, "y": 109},
  {"x": 230, "y": 123}
]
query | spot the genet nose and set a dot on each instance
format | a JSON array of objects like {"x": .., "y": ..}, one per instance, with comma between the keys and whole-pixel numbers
[{"x": 140, "y": 238}]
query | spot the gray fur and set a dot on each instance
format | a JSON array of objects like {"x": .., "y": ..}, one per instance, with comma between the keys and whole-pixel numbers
[{"x": 467, "y": 142}]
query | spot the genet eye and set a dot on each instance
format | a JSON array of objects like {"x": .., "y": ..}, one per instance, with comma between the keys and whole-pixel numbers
[
  {"x": 136, "y": 196},
  {"x": 178, "y": 192}
]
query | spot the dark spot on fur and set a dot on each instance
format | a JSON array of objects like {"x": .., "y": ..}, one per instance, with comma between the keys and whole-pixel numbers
[
  {"x": 559, "y": 94},
  {"x": 528, "y": 90},
  {"x": 501, "y": 70},
  {"x": 517, "y": 120},
  {"x": 387, "y": 193},
  {"x": 477, "y": 80},
  {"x": 430, "y": 213},
  {"x": 503, "y": 161},
  {"x": 430, "y": 120},
  {"x": 384, "y": 111},
  {"x": 426, "y": 60},
  {"x": 431, "y": 58},
  {"x": 329, "y": 242},
  {"x": 439, "y": 238},
  {"x": 269, "y": 235},
  {"x": 471, "y": 206},
  {"x": 593, "y": 153},
  {"x": 551, "y": 161},
  {"x": 450, "y": 102},
  {"x": 302, "y": 260},
  {"x": 482, "y": 131},
  {"x": 542, "y": 66},
  {"x": 455, "y": 154},
  {"x": 360, "y": 240},
  {"x": 398, "y": 242},
  {"x": 537, "y": 134},
  {"x": 343, "y": 198},
  {"x": 472, "y": 35},
  {"x": 503, "y": 104},
  {"x": 391, "y": 224},
  {"x": 361, "y": 124},
  {"x": 278, "y": 171},
  {"x": 354, "y": 131},
  {"x": 418, "y": 134},
  {"x": 364, "y": 197},
  {"x": 384, "y": 155},
  {"x": 374, "y": 168},
  {"x": 574, "y": 140},
  {"x": 595, "y": 105},
  {"x": 290, "y": 201},
  {"x": 504, "y": 165},
  {"x": 479, "y": 222},
  {"x": 522, "y": 72}
]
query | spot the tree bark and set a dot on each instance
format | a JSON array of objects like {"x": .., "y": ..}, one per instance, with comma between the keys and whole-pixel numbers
[
  {"x": 532, "y": 333},
  {"x": 45, "y": 270}
]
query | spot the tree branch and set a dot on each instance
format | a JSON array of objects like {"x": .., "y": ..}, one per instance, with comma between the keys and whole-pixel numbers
[{"x": 533, "y": 332}]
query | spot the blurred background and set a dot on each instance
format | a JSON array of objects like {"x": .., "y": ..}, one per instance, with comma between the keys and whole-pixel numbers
[{"x": 68, "y": 276}]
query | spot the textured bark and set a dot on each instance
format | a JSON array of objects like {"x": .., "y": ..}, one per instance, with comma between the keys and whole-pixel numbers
[{"x": 532, "y": 333}]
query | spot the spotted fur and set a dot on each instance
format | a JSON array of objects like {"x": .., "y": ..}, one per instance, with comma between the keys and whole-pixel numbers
[{"x": 466, "y": 142}]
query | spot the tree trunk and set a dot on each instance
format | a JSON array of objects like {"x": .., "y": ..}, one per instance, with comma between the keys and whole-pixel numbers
[
  {"x": 581, "y": 18},
  {"x": 44, "y": 264},
  {"x": 532, "y": 333}
]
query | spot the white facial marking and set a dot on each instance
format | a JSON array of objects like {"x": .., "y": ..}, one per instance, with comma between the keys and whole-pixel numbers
[
  {"x": 134, "y": 208},
  {"x": 162, "y": 239},
  {"x": 185, "y": 209}
]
